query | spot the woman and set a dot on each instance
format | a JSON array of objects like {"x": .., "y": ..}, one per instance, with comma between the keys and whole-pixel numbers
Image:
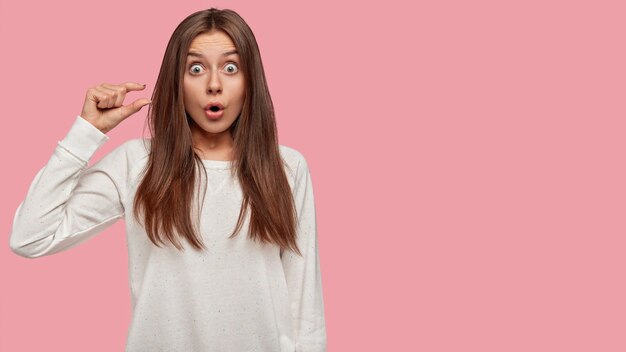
[{"x": 220, "y": 218}]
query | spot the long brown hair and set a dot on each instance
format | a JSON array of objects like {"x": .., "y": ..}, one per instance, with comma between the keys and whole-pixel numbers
[{"x": 165, "y": 194}]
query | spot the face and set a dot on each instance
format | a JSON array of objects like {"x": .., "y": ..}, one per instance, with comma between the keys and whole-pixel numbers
[{"x": 213, "y": 75}]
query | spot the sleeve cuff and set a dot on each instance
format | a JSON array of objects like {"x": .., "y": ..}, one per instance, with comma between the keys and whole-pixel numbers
[{"x": 83, "y": 139}]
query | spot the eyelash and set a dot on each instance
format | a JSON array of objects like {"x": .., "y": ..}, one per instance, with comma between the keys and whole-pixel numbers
[{"x": 198, "y": 63}]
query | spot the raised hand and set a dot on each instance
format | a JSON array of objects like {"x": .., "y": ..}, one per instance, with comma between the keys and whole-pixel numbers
[{"x": 103, "y": 104}]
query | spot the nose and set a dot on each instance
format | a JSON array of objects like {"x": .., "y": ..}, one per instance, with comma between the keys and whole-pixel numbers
[{"x": 215, "y": 85}]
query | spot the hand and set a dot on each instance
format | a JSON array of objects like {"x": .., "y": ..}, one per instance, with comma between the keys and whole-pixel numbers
[{"x": 103, "y": 104}]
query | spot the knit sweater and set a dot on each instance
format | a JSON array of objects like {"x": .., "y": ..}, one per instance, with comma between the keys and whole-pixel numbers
[{"x": 238, "y": 295}]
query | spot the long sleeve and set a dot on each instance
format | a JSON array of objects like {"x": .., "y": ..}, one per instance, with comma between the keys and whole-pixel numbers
[
  {"x": 302, "y": 273},
  {"x": 67, "y": 202}
]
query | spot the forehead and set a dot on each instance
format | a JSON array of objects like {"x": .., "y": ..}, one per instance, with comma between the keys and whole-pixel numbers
[{"x": 213, "y": 42}]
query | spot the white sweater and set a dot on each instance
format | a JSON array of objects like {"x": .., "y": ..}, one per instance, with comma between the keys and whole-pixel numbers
[{"x": 236, "y": 296}]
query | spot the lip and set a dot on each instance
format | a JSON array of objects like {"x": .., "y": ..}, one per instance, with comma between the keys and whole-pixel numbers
[
  {"x": 208, "y": 106},
  {"x": 214, "y": 115}
]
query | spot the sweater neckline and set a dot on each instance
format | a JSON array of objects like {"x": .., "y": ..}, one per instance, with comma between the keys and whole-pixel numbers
[{"x": 217, "y": 164}]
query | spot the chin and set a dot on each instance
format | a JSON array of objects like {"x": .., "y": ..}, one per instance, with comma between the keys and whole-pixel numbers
[
  {"x": 215, "y": 126},
  {"x": 215, "y": 129}
]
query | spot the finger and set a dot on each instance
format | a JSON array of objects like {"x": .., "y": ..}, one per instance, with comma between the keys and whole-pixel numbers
[
  {"x": 127, "y": 110},
  {"x": 120, "y": 93},
  {"x": 107, "y": 97},
  {"x": 99, "y": 97},
  {"x": 122, "y": 89},
  {"x": 133, "y": 86},
  {"x": 113, "y": 96}
]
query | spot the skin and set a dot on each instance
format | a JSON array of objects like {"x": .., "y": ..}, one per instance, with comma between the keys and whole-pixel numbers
[
  {"x": 103, "y": 106},
  {"x": 213, "y": 77}
]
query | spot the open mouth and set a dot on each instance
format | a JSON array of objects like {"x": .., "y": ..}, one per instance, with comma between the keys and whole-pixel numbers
[{"x": 214, "y": 112}]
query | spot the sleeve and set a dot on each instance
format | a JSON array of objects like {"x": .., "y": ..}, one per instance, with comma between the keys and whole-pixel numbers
[
  {"x": 67, "y": 202},
  {"x": 302, "y": 273}
]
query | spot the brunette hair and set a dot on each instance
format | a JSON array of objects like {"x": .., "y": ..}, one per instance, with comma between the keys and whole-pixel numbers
[{"x": 171, "y": 176}]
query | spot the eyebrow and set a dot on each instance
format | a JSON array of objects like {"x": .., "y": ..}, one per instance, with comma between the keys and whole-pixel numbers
[{"x": 197, "y": 54}]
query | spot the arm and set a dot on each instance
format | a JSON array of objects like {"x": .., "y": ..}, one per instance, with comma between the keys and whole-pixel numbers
[
  {"x": 303, "y": 274},
  {"x": 68, "y": 203}
]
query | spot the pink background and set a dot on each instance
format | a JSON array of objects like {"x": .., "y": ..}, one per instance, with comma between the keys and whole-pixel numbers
[{"x": 467, "y": 159}]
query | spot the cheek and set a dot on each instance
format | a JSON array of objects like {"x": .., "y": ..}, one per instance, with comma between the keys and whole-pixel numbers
[
  {"x": 233, "y": 81},
  {"x": 189, "y": 91},
  {"x": 238, "y": 88},
  {"x": 187, "y": 85},
  {"x": 187, "y": 95}
]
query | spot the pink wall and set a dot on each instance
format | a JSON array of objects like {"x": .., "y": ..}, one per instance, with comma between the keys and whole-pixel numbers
[{"x": 467, "y": 159}]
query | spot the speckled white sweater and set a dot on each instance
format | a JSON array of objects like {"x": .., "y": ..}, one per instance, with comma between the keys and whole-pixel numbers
[{"x": 237, "y": 296}]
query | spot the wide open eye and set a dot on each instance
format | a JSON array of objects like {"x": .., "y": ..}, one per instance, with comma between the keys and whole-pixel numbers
[
  {"x": 232, "y": 66},
  {"x": 194, "y": 71}
]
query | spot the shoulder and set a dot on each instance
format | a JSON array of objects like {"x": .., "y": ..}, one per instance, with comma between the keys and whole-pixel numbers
[
  {"x": 132, "y": 149},
  {"x": 136, "y": 148},
  {"x": 295, "y": 161},
  {"x": 126, "y": 157}
]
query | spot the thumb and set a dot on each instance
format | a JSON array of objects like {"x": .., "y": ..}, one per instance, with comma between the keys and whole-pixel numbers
[{"x": 133, "y": 107}]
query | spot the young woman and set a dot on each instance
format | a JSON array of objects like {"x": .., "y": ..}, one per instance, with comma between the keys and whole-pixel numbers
[{"x": 220, "y": 218}]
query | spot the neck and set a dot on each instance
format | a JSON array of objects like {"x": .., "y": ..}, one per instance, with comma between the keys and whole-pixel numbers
[{"x": 213, "y": 146}]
